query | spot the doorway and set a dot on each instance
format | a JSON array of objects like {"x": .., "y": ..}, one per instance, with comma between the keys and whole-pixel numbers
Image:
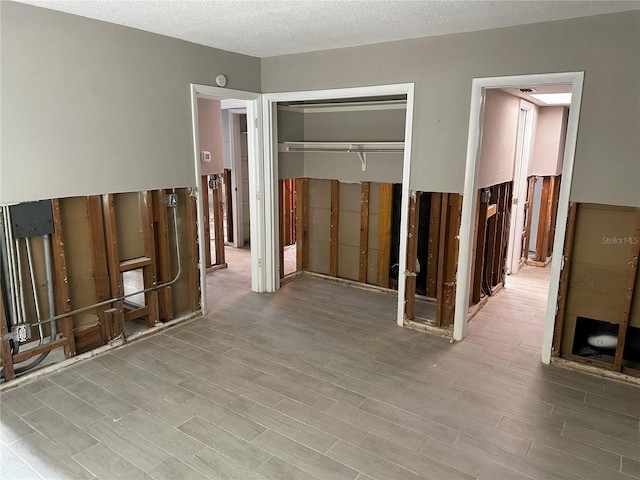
[
  {"x": 472, "y": 184},
  {"x": 225, "y": 152}
]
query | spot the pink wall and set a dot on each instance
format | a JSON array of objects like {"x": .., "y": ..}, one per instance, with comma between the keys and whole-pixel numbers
[
  {"x": 210, "y": 131},
  {"x": 499, "y": 134},
  {"x": 549, "y": 141}
]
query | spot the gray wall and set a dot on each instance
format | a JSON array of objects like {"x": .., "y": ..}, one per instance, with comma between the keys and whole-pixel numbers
[
  {"x": 90, "y": 107},
  {"x": 605, "y": 47}
]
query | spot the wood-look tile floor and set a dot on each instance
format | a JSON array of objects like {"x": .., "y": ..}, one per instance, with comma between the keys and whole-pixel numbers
[{"x": 317, "y": 382}]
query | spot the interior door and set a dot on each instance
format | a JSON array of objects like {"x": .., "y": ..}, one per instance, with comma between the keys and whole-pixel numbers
[{"x": 515, "y": 251}]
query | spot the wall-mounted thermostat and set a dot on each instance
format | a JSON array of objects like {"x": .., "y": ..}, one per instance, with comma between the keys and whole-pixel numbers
[{"x": 205, "y": 156}]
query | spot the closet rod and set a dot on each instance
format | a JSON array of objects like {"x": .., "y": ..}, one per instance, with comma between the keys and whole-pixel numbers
[{"x": 346, "y": 150}]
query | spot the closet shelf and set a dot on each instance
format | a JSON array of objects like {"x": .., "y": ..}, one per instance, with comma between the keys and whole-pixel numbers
[
  {"x": 342, "y": 147},
  {"x": 359, "y": 148}
]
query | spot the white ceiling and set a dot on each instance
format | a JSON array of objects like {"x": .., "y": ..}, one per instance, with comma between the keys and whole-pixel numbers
[{"x": 265, "y": 28}]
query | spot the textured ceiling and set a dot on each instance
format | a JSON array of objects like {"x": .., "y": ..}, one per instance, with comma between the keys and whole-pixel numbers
[{"x": 267, "y": 28}]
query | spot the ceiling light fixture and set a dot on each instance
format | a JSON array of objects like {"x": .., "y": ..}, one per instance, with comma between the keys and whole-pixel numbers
[{"x": 553, "y": 98}]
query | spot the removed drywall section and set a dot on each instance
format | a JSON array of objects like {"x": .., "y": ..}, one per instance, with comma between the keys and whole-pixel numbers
[
  {"x": 349, "y": 231},
  {"x": 499, "y": 135},
  {"x": 90, "y": 107},
  {"x": 605, "y": 47},
  {"x": 600, "y": 293},
  {"x": 549, "y": 139},
  {"x": 210, "y": 134},
  {"x": 319, "y": 225}
]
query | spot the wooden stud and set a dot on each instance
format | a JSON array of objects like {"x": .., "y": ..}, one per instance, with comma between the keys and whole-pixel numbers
[
  {"x": 564, "y": 278},
  {"x": 193, "y": 277},
  {"x": 150, "y": 275},
  {"x": 47, "y": 347},
  {"x": 282, "y": 225},
  {"x": 451, "y": 260},
  {"x": 5, "y": 350},
  {"x": 163, "y": 259},
  {"x": 204, "y": 190},
  {"x": 302, "y": 224},
  {"x": 542, "y": 236},
  {"x": 628, "y": 295},
  {"x": 412, "y": 254},
  {"x": 385, "y": 216},
  {"x": 335, "y": 220},
  {"x": 434, "y": 237},
  {"x": 364, "y": 232},
  {"x": 492, "y": 245},
  {"x": 502, "y": 234},
  {"x": 228, "y": 203},
  {"x": 286, "y": 210},
  {"x": 528, "y": 211},
  {"x": 481, "y": 238},
  {"x": 99, "y": 259},
  {"x": 218, "y": 224},
  {"x": 62, "y": 297},
  {"x": 292, "y": 195},
  {"x": 442, "y": 247},
  {"x": 447, "y": 262},
  {"x": 113, "y": 260},
  {"x": 555, "y": 196}
]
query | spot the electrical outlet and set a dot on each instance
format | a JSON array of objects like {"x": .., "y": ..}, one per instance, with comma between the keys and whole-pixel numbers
[{"x": 23, "y": 332}]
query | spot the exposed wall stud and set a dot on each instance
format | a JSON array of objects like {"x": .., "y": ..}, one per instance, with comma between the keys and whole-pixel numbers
[
  {"x": 434, "y": 239},
  {"x": 628, "y": 295},
  {"x": 333, "y": 235},
  {"x": 364, "y": 232},
  {"x": 62, "y": 299},
  {"x": 302, "y": 224},
  {"x": 412, "y": 254},
  {"x": 384, "y": 233}
]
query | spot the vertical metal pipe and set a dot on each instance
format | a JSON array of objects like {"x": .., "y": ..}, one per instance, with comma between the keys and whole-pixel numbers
[
  {"x": 23, "y": 309},
  {"x": 34, "y": 288},
  {"x": 48, "y": 258},
  {"x": 6, "y": 268},
  {"x": 14, "y": 294}
]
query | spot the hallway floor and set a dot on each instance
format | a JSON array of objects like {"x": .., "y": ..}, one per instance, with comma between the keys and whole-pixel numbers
[{"x": 317, "y": 382}]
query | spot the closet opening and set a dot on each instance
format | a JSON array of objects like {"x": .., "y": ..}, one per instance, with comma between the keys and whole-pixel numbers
[{"x": 340, "y": 157}]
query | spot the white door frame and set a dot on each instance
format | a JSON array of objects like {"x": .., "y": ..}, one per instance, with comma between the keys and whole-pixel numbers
[
  {"x": 520, "y": 174},
  {"x": 478, "y": 88},
  {"x": 270, "y": 168},
  {"x": 236, "y": 176},
  {"x": 254, "y": 134}
]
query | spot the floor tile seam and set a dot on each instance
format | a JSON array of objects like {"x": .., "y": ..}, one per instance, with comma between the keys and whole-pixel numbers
[
  {"x": 219, "y": 451},
  {"x": 576, "y": 457},
  {"x": 387, "y": 459},
  {"x": 542, "y": 443},
  {"x": 409, "y": 428}
]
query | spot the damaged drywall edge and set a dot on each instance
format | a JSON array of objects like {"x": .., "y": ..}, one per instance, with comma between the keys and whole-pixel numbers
[{"x": 591, "y": 370}]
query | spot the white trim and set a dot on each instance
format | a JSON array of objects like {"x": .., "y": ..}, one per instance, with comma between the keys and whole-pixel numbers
[
  {"x": 269, "y": 101},
  {"x": 254, "y": 149},
  {"x": 479, "y": 85},
  {"x": 521, "y": 164}
]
